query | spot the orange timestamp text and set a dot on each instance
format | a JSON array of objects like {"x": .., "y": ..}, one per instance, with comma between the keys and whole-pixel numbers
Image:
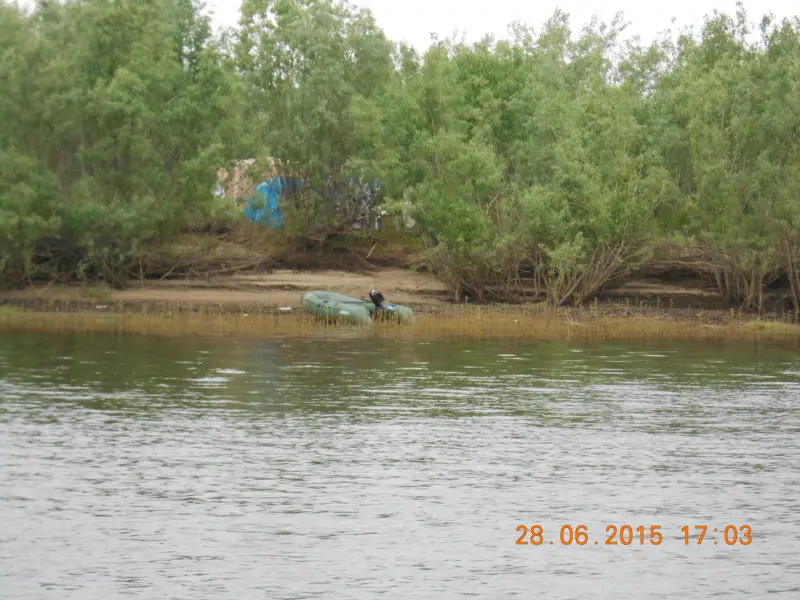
[{"x": 628, "y": 535}]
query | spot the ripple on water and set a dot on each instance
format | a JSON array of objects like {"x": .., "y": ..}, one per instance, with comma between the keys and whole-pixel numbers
[{"x": 210, "y": 470}]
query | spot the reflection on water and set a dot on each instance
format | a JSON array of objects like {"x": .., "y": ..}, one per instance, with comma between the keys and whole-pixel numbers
[{"x": 352, "y": 469}]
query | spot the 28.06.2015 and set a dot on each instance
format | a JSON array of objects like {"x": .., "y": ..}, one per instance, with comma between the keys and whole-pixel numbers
[{"x": 569, "y": 535}]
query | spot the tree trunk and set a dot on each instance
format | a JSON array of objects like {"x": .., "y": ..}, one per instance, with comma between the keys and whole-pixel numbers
[{"x": 794, "y": 281}]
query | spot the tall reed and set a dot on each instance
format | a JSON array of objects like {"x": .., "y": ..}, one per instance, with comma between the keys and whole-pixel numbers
[{"x": 467, "y": 322}]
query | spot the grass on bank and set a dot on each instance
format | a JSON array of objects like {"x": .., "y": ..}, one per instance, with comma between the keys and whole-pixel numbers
[{"x": 499, "y": 323}]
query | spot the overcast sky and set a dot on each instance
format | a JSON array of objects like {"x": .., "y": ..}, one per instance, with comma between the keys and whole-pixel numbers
[{"x": 414, "y": 20}]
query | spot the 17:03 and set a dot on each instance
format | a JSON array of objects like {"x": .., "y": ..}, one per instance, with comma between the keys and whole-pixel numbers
[{"x": 742, "y": 535}]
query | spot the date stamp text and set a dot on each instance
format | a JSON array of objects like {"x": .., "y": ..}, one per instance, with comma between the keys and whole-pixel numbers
[{"x": 630, "y": 535}]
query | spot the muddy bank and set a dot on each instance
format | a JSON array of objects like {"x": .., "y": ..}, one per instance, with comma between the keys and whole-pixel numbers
[
  {"x": 283, "y": 288},
  {"x": 268, "y": 305},
  {"x": 268, "y": 293},
  {"x": 280, "y": 292}
]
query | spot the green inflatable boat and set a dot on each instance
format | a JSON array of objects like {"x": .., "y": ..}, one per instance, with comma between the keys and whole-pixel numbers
[{"x": 331, "y": 306}]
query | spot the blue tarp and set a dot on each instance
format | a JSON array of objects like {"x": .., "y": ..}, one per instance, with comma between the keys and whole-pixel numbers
[{"x": 264, "y": 207}]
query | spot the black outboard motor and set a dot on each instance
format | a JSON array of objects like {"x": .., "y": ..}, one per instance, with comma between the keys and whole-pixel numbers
[{"x": 377, "y": 299}]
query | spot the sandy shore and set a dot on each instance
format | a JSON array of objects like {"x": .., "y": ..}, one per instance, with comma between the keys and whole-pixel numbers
[
  {"x": 636, "y": 305},
  {"x": 240, "y": 305},
  {"x": 284, "y": 288},
  {"x": 281, "y": 288}
]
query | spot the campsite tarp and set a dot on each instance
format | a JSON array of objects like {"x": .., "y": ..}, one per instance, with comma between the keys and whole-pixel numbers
[{"x": 263, "y": 207}]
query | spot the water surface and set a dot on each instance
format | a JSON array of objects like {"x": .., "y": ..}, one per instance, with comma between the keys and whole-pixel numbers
[{"x": 200, "y": 468}]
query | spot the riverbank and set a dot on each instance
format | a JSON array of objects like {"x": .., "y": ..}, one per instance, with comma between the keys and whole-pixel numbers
[{"x": 269, "y": 305}]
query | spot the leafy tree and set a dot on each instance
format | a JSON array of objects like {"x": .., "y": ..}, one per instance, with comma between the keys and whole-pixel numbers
[
  {"x": 549, "y": 163},
  {"x": 111, "y": 134},
  {"x": 314, "y": 70},
  {"x": 734, "y": 134}
]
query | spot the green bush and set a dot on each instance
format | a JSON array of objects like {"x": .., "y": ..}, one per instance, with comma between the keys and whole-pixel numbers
[{"x": 546, "y": 163}]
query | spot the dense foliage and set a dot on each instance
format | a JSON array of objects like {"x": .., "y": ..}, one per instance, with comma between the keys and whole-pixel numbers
[{"x": 550, "y": 163}]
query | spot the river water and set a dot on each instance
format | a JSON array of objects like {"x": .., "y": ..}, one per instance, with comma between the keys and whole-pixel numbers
[{"x": 208, "y": 468}]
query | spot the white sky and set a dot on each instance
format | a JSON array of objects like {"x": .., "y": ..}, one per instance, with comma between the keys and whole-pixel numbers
[{"x": 414, "y": 20}]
